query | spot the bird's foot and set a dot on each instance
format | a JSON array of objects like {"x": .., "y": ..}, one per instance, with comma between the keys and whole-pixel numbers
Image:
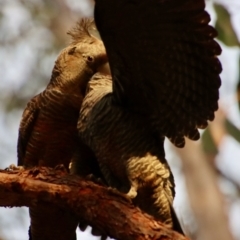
[
  {"x": 95, "y": 179},
  {"x": 13, "y": 167},
  {"x": 61, "y": 167},
  {"x": 132, "y": 192}
]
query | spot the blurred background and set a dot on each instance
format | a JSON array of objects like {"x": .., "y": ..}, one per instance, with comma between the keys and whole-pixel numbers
[{"x": 32, "y": 33}]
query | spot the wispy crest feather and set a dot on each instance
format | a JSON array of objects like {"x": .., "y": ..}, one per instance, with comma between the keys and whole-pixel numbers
[{"x": 82, "y": 29}]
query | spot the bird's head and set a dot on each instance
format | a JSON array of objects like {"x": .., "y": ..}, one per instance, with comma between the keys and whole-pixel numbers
[{"x": 80, "y": 60}]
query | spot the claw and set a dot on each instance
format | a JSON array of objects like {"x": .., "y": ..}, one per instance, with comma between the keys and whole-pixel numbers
[
  {"x": 70, "y": 165},
  {"x": 13, "y": 167},
  {"x": 132, "y": 192},
  {"x": 60, "y": 167}
]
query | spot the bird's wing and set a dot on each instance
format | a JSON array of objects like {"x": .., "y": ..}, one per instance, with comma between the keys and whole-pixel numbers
[
  {"x": 28, "y": 120},
  {"x": 163, "y": 62}
]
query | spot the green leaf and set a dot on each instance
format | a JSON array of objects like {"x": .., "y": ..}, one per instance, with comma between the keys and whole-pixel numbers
[{"x": 226, "y": 33}]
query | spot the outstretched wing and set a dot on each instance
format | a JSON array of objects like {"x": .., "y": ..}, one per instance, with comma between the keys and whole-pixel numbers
[{"x": 163, "y": 62}]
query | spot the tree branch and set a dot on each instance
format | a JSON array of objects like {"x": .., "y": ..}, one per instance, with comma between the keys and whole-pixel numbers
[{"x": 105, "y": 209}]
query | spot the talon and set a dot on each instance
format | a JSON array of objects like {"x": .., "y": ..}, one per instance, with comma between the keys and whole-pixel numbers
[{"x": 60, "y": 167}]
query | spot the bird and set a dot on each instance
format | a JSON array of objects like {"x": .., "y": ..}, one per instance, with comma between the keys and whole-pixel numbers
[
  {"x": 163, "y": 82},
  {"x": 48, "y": 133}
]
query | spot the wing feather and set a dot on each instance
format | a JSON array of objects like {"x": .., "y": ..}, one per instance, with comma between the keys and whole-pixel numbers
[
  {"x": 28, "y": 120},
  {"x": 163, "y": 60}
]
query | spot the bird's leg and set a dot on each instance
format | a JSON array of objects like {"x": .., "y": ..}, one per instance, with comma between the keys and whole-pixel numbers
[{"x": 132, "y": 193}]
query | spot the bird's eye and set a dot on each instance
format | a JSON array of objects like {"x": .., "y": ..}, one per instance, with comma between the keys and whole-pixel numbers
[{"x": 89, "y": 59}]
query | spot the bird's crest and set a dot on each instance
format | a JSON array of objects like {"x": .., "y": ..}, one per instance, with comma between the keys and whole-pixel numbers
[{"x": 81, "y": 31}]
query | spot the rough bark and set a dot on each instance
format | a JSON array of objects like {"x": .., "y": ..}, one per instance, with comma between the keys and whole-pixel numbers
[{"x": 105, "y": 209}]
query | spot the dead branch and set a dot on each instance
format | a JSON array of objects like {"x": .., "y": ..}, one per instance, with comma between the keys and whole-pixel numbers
[{"x": 105, "y": 209}]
